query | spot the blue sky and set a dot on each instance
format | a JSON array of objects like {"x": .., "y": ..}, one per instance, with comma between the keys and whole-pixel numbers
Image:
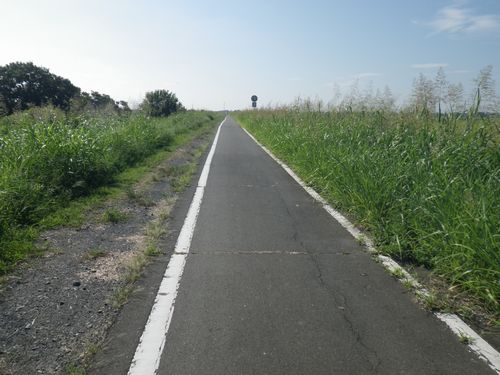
[{"x": 216, "y": 54}]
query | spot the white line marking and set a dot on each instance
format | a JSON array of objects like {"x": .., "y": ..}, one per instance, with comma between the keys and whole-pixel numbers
[
  {"x": 148, "y": 353},
  {"x": 478, "y": 345}
]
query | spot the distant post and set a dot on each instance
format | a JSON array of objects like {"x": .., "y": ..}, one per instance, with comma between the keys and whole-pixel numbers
[{"x": 254, "y": 101}]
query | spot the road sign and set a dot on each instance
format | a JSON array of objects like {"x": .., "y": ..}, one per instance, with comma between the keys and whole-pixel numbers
[
  {"x": 254, "y": 104},
  {"x": 254, "y": 98}
]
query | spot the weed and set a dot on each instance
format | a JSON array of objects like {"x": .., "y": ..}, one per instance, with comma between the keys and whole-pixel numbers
[
  {"x": 113, "y": 215},
  {"x": 91, "y": 349},
  {"x": 181, "y": 176},
  {"x": 465, "y": 339},
  {"x": 465, "y": 311},
  {"x": 139, "y": 197},
  {"x": 162, "y": 172},
  {"x": 94, "y": 254},
  {"x": 408, "y": 284},
  {"x": 398, "y": 273},
  {"x": 121, "y": 295},
  {"x": 432, "y": 302},
  {"x": 155, "y": 230},
  {"x": 152, "y": 250},
  {"x": 361, "y": 240},
  {"x": 133, "y": 272},
  {"x": 134, "y": 268},
  {"x": 75, "y": 370}
]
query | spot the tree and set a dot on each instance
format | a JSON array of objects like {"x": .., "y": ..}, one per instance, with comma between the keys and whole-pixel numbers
[
  {"x": 100, "y": 101},
  {"x": 485, "y": 89},
  {"x": 24, "y": 85},
  {"x": 161, "y": 103},
  {"x": 123, "y": 106},
  {"x": 97, "y": 102},
  {"x": 3, "y": 106}
]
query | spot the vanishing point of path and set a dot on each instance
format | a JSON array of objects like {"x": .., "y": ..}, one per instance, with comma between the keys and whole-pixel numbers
[{"x": 273, "y": 284}]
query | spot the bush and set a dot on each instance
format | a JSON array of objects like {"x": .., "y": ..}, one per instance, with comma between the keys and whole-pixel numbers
[{"x": 161, "y": 103}]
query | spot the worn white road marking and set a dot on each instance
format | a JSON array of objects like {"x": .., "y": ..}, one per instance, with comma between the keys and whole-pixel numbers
[
  {"x": 148, "y": 353},
  {"x": 477, "y": 344}
]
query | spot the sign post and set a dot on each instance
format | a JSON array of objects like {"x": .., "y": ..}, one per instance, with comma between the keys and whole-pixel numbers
[{"x": 254, "y": 101}]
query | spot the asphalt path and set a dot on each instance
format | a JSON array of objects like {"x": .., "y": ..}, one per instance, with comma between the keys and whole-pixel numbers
[{"x": 274, "y": 285}]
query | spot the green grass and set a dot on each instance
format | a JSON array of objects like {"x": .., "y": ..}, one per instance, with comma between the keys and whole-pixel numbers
[
  {"x": 465, "y": 339},
  {"x": 139, "y": 197},
  {"x": 52, "y": 166},
  {"x": 152, "y": 250},
  {"x": 132, "y": 273},
  {"x": 180, "y": 176},
  {"x": 426, "y": 190},
  {"x": 74, "y": 369},
  {"x": 113, "y": 216}
]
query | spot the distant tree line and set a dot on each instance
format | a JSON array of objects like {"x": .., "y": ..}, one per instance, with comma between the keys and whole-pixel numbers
[{"x": 25, "y": 85}]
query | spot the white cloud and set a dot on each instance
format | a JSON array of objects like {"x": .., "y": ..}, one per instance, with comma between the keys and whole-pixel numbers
[
  {"x": 456, "y": 19},
  {"x": 429, "y": 66},
  {"x": 484, "y": 23}
]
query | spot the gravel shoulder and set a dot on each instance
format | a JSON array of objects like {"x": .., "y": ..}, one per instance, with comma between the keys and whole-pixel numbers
[{"x": 55, "y": 310}]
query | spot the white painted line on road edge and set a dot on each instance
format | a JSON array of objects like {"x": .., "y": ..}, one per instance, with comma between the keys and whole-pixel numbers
[
  {"x": 477, "y": 344},
  {"x": 148, "y": 353}
]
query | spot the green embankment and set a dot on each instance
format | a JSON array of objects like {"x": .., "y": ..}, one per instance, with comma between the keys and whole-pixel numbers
[
  {"x": 48, "y": 159},
  {"x": 427, "y": 191}
]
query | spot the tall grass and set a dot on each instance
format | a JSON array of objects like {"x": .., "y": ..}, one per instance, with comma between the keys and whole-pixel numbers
[
  {"x": 47, "y": 159},
  {"x": 428, "y": 191}
]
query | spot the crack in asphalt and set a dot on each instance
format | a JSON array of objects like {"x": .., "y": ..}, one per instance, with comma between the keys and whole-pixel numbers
[
  {"x": 366, "y": 351},
  {"x": 345, "y": 312},
  {"x": 295, "y": 235}
]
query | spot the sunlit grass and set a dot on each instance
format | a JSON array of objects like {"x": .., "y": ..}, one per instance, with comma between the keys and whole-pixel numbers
[{"x": 48, "y": 160}]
